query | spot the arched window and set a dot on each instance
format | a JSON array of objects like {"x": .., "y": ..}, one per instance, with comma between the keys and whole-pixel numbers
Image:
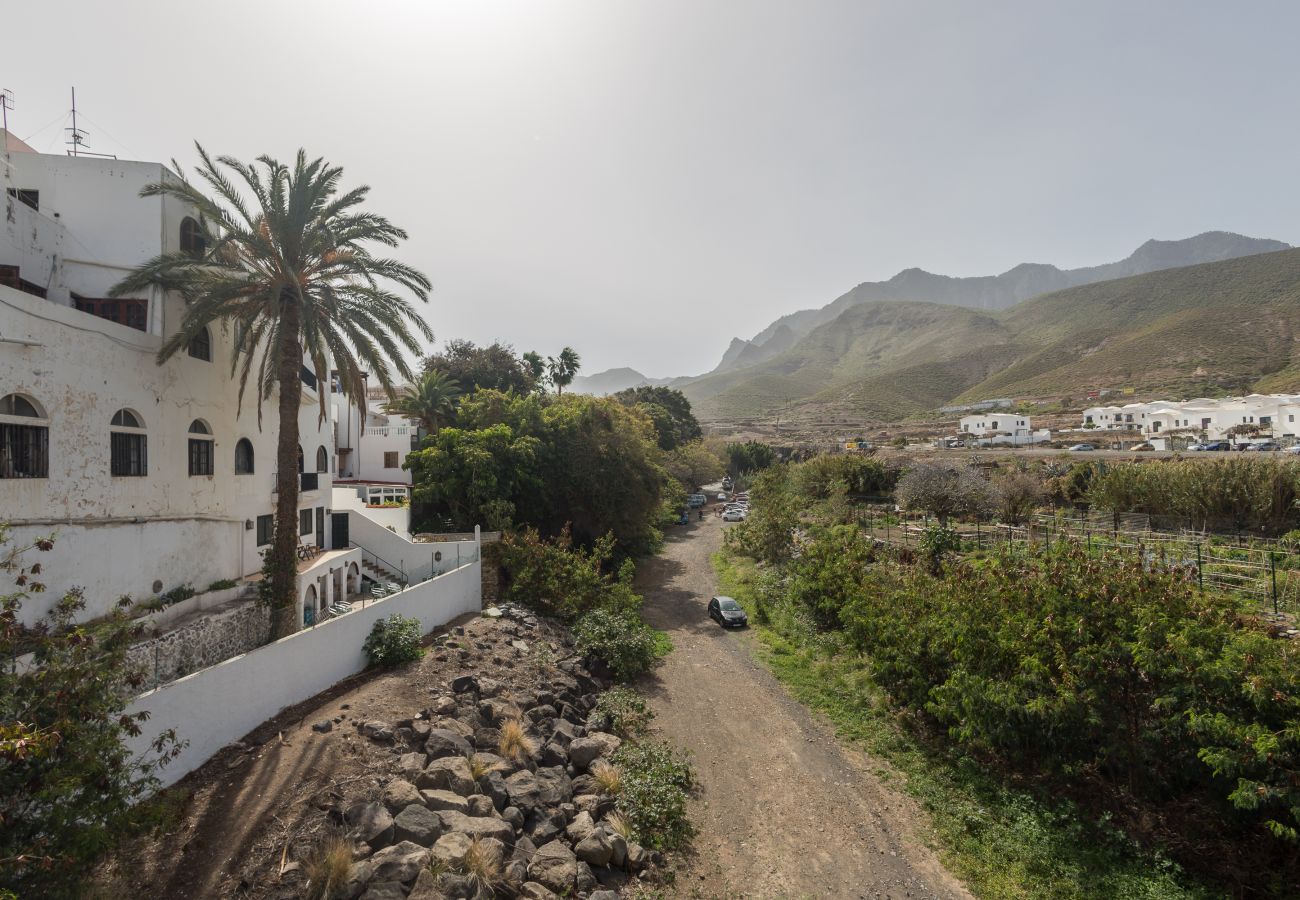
[
  {"x": 201, "y": 346},
  {"x": 201, "y": 443},
  {"x": 322, "y": 459},
  {"x": 24, "y": 438},
  {"x": 244, "y": 457},
  {"x": 192, "y": 240},
  {"x": 300, "y": 464},
  {"x": 128, "y": 446}
]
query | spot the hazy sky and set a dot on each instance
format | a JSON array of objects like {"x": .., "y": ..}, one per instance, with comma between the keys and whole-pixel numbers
[{"x": 644, "y": 180}]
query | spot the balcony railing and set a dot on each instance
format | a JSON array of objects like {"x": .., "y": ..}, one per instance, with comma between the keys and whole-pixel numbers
[
  {"x": 307, "y": 481},
  {"x": 308, "y": 377}
]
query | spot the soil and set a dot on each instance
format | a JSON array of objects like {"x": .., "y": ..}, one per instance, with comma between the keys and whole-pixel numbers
[{"x": 783, "y": 810}]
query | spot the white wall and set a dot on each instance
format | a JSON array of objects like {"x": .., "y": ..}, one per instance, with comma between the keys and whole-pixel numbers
[
  {"x": 221, "y": 704},
  {"x": 415, "y": 559}
]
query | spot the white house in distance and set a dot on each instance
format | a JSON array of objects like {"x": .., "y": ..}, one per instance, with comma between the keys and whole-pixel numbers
[
  {"x": 1274, "y": 416},
  {"x": 150, "y": 476},
  {"x": 994, "y": 422},
  {"x": 372, "y": 448}
]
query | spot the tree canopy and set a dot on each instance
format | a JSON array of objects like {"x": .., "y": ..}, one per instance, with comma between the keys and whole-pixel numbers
[
  {"x": 668, "y": 409},
  {"x": 495, "y": 367}
]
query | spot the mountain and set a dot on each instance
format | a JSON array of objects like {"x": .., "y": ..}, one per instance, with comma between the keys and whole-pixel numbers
[
  {"x": 611, "y": 381},
  {"x": 1232, "y": 325},
  {"x": 993, "y": 292}
]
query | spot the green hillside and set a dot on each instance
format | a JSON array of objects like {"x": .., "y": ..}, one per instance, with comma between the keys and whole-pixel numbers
[{"x": 1215, "y": 327}]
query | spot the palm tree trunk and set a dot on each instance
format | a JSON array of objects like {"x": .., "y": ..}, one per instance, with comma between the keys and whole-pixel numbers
[{"x": 284, "y": 551}]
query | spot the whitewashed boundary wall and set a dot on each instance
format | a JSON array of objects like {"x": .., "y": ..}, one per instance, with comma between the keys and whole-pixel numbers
[{"x": 221, "y": 704}]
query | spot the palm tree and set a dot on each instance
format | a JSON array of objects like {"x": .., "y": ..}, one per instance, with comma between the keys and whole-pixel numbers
[
  {"x": 535, "y": 366},
  {"x": 563, "y": 368},
  {"x": 292, "y": 272},
  {"x": 430, "y": 401}
]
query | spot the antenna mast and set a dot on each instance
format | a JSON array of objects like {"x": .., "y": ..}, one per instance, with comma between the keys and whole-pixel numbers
[
  {"x": 6, "y": 104},
  {"x": 78, "y": 136}
]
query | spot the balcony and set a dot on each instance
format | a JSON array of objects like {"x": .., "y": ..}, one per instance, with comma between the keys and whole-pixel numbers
[{"x": 307, "y": 481}]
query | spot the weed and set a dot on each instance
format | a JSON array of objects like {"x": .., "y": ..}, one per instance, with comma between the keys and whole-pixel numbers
[
  {"x": 620, "y": 825},
  {"x": 482, "y": 867},
  {"x": 328, "y": 868},
  {"x": 516, "y": 743},
  {"x": 608, "y": 776},
  {"x": 480, "y": 766}
]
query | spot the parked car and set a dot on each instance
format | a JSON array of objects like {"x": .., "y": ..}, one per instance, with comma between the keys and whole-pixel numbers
[
  {"x": 722, "y": 496},
  {"x": 727, "y": 613},
  {"x": 1216, "y": 446},
  {"x": 1142, "y": 447},
  {"x": 696, "y": 500},
  {"x": 1266, "y": 445},
  {"x": 1083, "y": 448},
  {"x": 1294, "y": 448},
  {"x": 734, "y": 515}
]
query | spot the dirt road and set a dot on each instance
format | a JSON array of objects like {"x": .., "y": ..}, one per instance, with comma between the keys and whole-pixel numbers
[{"x": 783, "y": 810}]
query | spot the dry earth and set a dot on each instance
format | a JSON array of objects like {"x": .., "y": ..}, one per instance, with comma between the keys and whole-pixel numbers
[{"x": 783, "y": 810}]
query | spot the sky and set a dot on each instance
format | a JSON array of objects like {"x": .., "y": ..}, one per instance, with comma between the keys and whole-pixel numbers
[{"x": 643, "y": 180}]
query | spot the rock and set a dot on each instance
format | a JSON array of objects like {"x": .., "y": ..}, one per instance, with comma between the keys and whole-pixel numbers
[
  {"x": 542, "y": 829},
  {"x": 481, "y": 806},
  {"x": 478, "y": 826},
  {"x": 450, "y": 773},
  {"x": 452, "y": 724},
  {"x": 420, "y": 729},
  {"x": 603, "y": 895},
  {"x": 487, "y": 738},
  {"x": 554, "y": 755},
  {"x": 426, "y": 888},
  {"x": 586, "y": 750},
  {"x": 587, "y": 803},
  {"x": 594, "y": 849},
  {"x": 440, "y": 800},
  {"x": 444, "y": 742},
  {"x": 556, "y": 787},
  {"x": 400, "y": 794},
  {"x": 324, "y": 727},
  {"x": 637, "y": 856},
  {"x": 489, "y": 687},
  {"x": 524, "y": 850},
  {"x": 443, "y": 706},
  {"x": 618, "y": 848},
  {"x": 409, "y": 765},
  {"x": 542, "y": 713},
  {"x": 493, "y": 785},
  {"x": 584, "y": 784},
  {"x": 451, "y": 848},
  {"x": 400, "y": 862},
  {"x": 521, "y": 646},
  {"x": 513, "y": 816},
  {"x": 371, "y": 823},
  {"x": 524, "y": 790},
  {"x": 362, "y": 871},
  {"x": 384, "y": 890},
  {"x": 495, "y": 710},
  {"x": 380, "y": 732},
  {"x": 565, "y": 731},
  {"x": 417, "y": 824},
  {"x": 531, "y": 890},
  {"x": 555, "y": 867},
  {"x": 464, "y": 684},
  {"x": 581, "y": 826}
]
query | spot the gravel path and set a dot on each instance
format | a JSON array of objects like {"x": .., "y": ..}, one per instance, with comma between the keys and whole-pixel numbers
[{"x": 784, "y": 811}]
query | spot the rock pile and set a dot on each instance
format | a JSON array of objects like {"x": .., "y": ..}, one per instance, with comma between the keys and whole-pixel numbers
[{"x": 495, "y": 793}]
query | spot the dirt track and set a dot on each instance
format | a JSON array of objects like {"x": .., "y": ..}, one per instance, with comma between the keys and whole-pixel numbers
[{"x": 783, "y": 810}]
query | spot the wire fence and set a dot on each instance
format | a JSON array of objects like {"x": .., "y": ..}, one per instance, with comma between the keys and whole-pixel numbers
[{"x": 1266, "y": 571}]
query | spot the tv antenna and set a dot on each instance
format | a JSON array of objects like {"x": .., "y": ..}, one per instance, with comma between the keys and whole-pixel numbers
[{"x": 78, "y": 136}]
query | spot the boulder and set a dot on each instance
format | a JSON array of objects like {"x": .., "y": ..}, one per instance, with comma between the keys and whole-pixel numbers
[
  {"x": 580, "y": 827},
  {"x": 542, "y": 713},
  {"x": 555, "y": 867},
  {"x": 443, "y": 706},
  {"x": 487, "y": 738},
  {"x": 637, "y": 856},
  {"x": 555, "y": 785},
  {"x": 495, "y": 710},
  {"x": 378, "y": 731},
  {"x": 489, "y": 687},
  {"x": 584, "y": 751},
  {"x": 426, "y": 888},
  {"x": 584, "y": 784},
  {"x": 417, "y": 824},
  {"x": 542, "y": 829},
  {"x": 410, "y": 765},
  {"x": 400, "y": 794},
  {"x": 449, "y": 773},
  {"x": 524, "y": 790},
  {"x": 464, "y": 684},
  {"x": 594, "y": 849},
  {"x": 554, "y": 755},
  {"x": 400, "y": 862},
  {"x": 478, "y": 826},
  {"x": 445, "y": 742},
  {"x": 481, "y": 806},
  {"x": 531, "y": 890},
  {"x": 513, "y": 816},
  {"x": 384, "y": 890},
  {"x": 455, "y": 725},
  {"x": 493, "y": 785},
  {"x": 587, "y": 803},
  {"x": 372, "y": 823},
  {"x": 451, "y": 848},
  {"x": 440, "y": 800},
  {"x": 362, "y": 871}
]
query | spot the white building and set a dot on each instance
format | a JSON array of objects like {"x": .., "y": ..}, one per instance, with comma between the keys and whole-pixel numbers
[
  {"x": 372, "y": 447},
  {"x": 149, "y": 475},
  {"x": 993, "y": 422},
  {"x": 1267, "y": 415}
]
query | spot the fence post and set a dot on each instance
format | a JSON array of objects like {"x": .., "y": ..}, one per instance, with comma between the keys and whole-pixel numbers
[
  {"x": 1200, "y": 569},
  {"x": 1272, "y": 571}
]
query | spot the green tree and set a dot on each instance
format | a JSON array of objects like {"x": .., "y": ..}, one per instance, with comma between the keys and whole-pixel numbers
[
  {"x": 495, "y": 367},
  {"x": 669, "y": 410},
  {"x": 749, "y": 457},
  {"x": 535, "y": 366},
  {"x": 69, "y": 787},
  {"x": 563, "y": 368},
  {"x": 944, "y": 490},
  {"x": 430, "y": 401},
  {"x": 293, "y": 272},
  {"x": 693, "y": 465}
]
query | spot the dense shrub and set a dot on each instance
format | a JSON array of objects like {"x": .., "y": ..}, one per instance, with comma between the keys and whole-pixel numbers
[
  {"x": 622, "y": 711},
  {"x": 656, "y": 782},
  {"x": 564, "y": 581},
  {"x": 828, "y": 574},
  {"x": 817, "y": 478},
  {"x": 393, "y": 641},
  {"x": 618, "y": 638},
  {"x": 1084, "y": 666},
  {"x": 944, "y": 490},
  {"x": 768, "y": 532}
]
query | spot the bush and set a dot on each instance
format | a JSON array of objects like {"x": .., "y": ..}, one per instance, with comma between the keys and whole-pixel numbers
[
  {"x": 564, "y": 581},
  {"x": 224, "y": 584},
  {"x": 656, "y": 782},
  {"x": 622, "y": 711},
  {"x": 393, "y": 641},
  {"x": 944, "y": 490},
  {"x": 619, "y": 639}
]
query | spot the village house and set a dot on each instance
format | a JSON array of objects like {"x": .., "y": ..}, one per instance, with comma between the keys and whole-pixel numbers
[{"x": 1260, "y": 415}]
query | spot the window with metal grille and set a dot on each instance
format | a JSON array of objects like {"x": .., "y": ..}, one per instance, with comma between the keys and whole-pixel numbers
[
  {"x": 200, "y": 448},
  {"x": 265, "y": 530},
  {"x": 128, "y": 446},
  {"x": 322, "y": 459},
  {"x": 390, "y": 460},
  {"x": 201, "y": 346},
  {"x": 192, "y": 240},
  {"x": 304, "y": 521},
  {"x": 244, "y": 457},
  {"x": 24, "y": 446}
]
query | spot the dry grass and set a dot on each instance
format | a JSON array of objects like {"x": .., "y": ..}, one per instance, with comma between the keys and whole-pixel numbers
[
  {"x": 328, "y": 867},
  {"x": 516, "y": 744},
  {"x": 622, "y": 827},
  {"x": 483, "y": 867},
  {"x": 478, "y": 766},
  {"x": 608, "y": 776}
]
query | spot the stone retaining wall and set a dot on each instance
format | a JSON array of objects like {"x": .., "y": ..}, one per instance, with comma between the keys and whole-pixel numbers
[{"x": 208, "y": 640}]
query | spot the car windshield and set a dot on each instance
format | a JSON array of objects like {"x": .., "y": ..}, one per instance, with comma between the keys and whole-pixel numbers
[{"x": 726, "y": 604}]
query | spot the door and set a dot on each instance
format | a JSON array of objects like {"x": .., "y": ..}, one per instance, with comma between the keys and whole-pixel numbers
[
  {"x": 339, "y": 526},
  {"x": 320, "y": 527}
]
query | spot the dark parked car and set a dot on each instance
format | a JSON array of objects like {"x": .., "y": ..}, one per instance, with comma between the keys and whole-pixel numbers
[
  {"x": 727, "y": 613},
  {"x": 1217, "y": 445},
  {"x": 1266, "y": 445}
]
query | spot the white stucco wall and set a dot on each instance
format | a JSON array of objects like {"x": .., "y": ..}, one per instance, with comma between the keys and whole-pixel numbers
[{"x": 266, "y": 680}]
